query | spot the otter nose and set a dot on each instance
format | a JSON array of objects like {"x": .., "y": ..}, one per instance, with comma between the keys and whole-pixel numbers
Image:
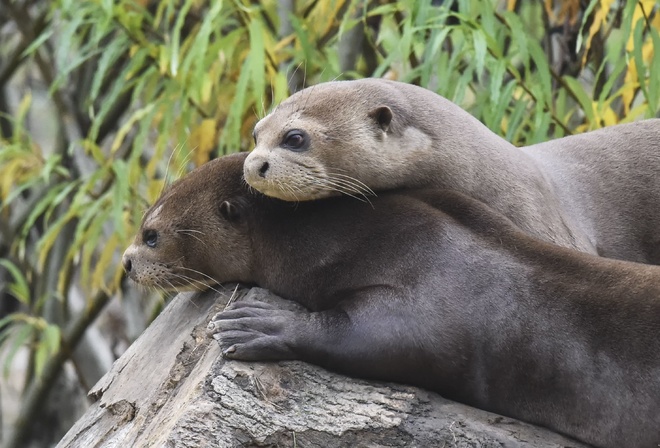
[
  {"x": 128, "y": 264},
  {"x": 255, "y": 167},
  {"x": 262, "y": 170}
]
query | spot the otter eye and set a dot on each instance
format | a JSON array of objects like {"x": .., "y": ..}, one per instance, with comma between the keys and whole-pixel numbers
[
  {"x": 150, "y": 238},
  {"x": 295, "y": 140},
  {"x": 254, "y": 137}
]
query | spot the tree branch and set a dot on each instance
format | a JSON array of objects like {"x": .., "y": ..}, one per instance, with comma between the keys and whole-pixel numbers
[{"x": 38, "y": 390}]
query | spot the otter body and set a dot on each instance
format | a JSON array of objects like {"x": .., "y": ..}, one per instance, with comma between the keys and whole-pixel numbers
[
  {"x": 597, "y": 192},
  {"x": 428, "y": 288}
]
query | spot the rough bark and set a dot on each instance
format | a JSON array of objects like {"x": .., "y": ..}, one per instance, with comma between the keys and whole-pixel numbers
[{"x": 172, "y": 388}]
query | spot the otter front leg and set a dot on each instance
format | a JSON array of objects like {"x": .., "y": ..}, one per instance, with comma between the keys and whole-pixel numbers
[{"x": 258, "y": 331}]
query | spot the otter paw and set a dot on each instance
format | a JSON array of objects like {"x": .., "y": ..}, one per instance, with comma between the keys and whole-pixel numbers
[{"x": 254, "y": 333}]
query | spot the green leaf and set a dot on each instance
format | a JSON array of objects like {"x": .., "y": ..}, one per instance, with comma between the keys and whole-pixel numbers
[
  {"x": 122, "y": 83},
  {"x": 229, "y": 138},
  {"x": 518, "y": 35},
  {"x": 60, "y": 197},
  {"x": 48, "y": 345},
  {"x": 257, "y": 60},
  {"x": 43, "y": 37},
  {"x": 638, "y": 41},
  {"x": 543, "y": 70},
  {"x": 479, "y": 51},
  {"x": 585, "y": 16},
  {"x": 302, "y": 38},
  {"x": 515, "y": 121},
  {"x": 616, "y": 68},
  {"x": 116, "y": 48},
  {"x": 66, "y": 38},
  {"x": 176, "y": 37},
  {"x": 23, "y": 333},
  {"x": 581, "y": 95},
  {"x": 48, "y": 239},
  {"x": 496, "y": 80},
  {"x": 5, "y": 321},
  {"x": 19, "y": 288},
  {"x": 19, "y": 190},
  {"x": 52, "y": 337},
  {"x": 40, "y": 207},
  {"x": 120, "y": 192}
]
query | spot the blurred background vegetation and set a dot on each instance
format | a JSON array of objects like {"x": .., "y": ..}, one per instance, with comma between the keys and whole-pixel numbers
[{"x": 103, "y": 102}]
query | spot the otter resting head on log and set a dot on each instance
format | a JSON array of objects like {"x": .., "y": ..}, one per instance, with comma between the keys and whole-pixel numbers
[{"x": 428, "y": 288}]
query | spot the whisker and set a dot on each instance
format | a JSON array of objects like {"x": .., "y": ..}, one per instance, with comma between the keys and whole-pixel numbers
[
  {"x": 185, "y": 161},
  {"x": 351, "y": 191},
  {"x": 197, "y": 284},
  {"x": 185, "y": 232},
  {"x": 215, "y": 282},
  {"x": 358, "y": 182},
  {"x": 167, "y": 169},
  {"x": 191, "y": 230},
  {"x": 343, "y": 188}
]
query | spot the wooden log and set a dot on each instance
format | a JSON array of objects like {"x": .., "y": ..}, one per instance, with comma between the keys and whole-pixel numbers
[{"x": 172, "y": 388}]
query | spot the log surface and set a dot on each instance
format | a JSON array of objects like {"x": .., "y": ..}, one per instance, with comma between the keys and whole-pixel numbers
[{"x": 172, "y": 388}]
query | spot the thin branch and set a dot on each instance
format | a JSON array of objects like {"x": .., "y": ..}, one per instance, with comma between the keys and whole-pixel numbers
[{"x": 38, "y": 390}]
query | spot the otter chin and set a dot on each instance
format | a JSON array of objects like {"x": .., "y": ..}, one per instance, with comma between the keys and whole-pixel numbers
[{"x": 429, "y": 288}]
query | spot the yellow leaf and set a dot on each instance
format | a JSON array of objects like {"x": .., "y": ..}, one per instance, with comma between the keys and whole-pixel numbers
[
  {"x": 511, "y": 5},
  {"x": 18, "y": 169},
  {"x": 632, "y": 77},
  {"x": 204, "y": 139},
  {"x": 126, "y": 127},
  {"x": 163, "y": 59},
  {"x": 630, "y": 86},
  {"x": 318, "y": 22},
  {"x": 104, "y": 263},
  {"x": 600, "y": 17},
  {"x": 635, "y": 112},
  {"x": 604, "y": 115},
  {"x": 207, "y": 87},
  {"x": 643, "y": 6},
  {"x": 24, "y": 106}
]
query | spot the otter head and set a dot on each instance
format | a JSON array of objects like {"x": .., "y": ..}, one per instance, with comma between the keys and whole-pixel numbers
[
  {"x": 195, "y": 235},
  {"x": 339, "y": 137}
]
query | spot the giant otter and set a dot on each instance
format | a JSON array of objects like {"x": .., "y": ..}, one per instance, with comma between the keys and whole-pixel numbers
[
  {"x": 598, "y": 192},
  {"x": 428, "y": 288}
]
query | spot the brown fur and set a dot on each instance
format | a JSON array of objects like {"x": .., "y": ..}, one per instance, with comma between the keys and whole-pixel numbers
[{"x": 428, "y": 288}]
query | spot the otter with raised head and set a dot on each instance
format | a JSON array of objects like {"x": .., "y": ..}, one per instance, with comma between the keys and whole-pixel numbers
[
  {"x": 598, "y": 192},
  {"x": 428, "y": 288}
]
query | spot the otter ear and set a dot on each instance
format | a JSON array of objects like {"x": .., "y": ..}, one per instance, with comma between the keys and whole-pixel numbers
[
  {"x": 229, "y": 211},
  {"x": 383, "y": 116}
]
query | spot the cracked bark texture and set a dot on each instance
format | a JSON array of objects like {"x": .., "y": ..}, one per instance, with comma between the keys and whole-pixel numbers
[{"x": 172, "y": 388}]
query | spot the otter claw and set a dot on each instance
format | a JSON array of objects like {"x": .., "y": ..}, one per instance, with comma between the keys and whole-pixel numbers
[
  {"x": 211, "y": 328},
  {"x": 230, "y": 350}
]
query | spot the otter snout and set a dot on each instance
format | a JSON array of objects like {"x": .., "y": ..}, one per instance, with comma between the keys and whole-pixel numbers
[
  {"x": 127, "y": 261},
  {"x": 255, "y": 167}
]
